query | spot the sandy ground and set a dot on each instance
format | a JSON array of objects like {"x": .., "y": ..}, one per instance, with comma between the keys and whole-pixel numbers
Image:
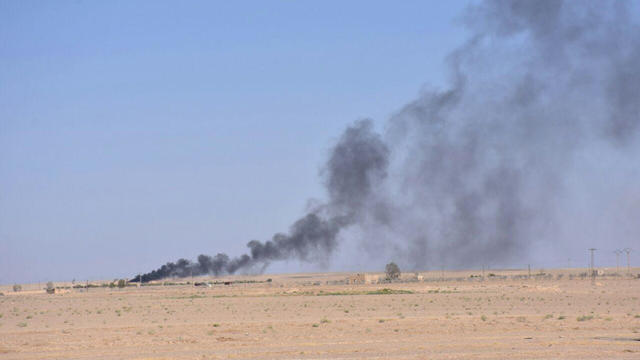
[{"x": 293, "y": 317}]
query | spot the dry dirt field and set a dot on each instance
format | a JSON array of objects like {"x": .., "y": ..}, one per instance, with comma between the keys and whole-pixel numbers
[{"x": 306, "y": 316}]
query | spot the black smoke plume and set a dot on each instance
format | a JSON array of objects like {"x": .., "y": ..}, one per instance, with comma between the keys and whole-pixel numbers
[
  {"x": 357, "y": 162},
  {"x": 541, "y": 94}
]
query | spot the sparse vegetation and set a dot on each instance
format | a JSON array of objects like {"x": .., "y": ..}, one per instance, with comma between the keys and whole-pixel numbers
[
  {"x": 122, "y": 283},
  {"x": 584, "y": 317},
  {"x": 392, "y": 271},
  {"x": 148, "y": 314},
  {"x": 17, "y": 287},
  {"x": 384, "y": 291}
]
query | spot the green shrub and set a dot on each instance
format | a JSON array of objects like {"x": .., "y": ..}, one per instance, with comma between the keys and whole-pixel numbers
[
  {"x": 584, "y": 317},
  {"x": 392, "y": 270}
]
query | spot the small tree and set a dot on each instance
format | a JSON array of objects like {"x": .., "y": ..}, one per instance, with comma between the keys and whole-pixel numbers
[
  {"x": 392, "y": 270},
  {"x": 17, "y": 287},
  {"x": 122, "y": 283}
]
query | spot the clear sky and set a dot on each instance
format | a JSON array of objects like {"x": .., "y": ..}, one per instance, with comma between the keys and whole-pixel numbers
[{"x": 134, "y": 133}]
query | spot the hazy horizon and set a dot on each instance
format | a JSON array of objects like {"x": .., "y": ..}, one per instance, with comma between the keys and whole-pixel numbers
[{"x": 133, "y": 134}]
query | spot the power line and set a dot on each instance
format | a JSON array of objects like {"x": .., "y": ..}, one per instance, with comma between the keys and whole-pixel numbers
[
  {"x": 628, "y": 251},
  {"x": 618, "y": 252},
  {"x": 592, "y": 268}
]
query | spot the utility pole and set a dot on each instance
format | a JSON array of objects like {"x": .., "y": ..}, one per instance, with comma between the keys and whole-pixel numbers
[
  {"x": 628, "y": 251},
  {"x": 617, "y": 252},
  {"x": 592, "y": 267},
  {"x": 529, "y": 267}
]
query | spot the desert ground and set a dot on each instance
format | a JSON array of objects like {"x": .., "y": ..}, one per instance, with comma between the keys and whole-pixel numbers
[{"x": 450, "y": 315}]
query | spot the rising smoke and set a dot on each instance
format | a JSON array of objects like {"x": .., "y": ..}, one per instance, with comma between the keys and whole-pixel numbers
[
  {"x": 357, "y": 163},
  {"x": 477, "y": 172}
]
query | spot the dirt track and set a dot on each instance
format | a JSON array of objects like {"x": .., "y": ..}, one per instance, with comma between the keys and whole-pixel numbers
[{"x": 291, "y": 318}]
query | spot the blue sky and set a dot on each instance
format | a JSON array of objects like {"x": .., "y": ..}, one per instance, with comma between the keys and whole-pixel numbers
[{"x": 134, "y": 133}]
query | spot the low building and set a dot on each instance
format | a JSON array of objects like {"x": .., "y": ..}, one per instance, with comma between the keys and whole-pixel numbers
[{"x": 362, "y": 278}]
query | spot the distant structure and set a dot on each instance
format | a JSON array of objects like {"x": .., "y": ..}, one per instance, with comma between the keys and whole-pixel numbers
[
  {"x": 628, "y": 251},
  {"x": 362, "y": 278},
  {"x": 618, "y": 252},
  {"x": 592, "y": 266}
]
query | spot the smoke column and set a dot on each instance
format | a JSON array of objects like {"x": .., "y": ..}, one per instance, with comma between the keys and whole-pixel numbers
[
  {"x": 357, "y": 163},
  {"x": 480, "y": 171}
]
